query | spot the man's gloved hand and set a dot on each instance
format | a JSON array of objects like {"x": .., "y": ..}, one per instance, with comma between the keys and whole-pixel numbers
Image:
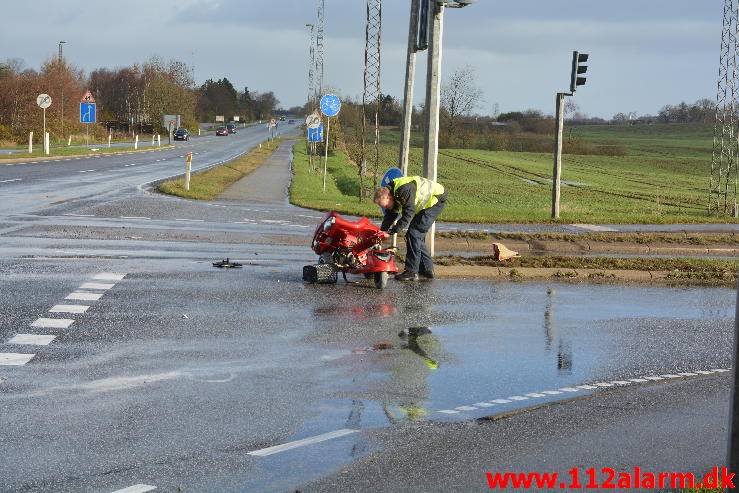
[{"x": 391, "y": 230}]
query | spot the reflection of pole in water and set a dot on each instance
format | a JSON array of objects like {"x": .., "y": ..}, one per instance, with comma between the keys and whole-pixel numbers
[
  {"x": 548, "y": 328},
  {"x": 564, "y": 357},
  {"x": 564, "y": 350}
]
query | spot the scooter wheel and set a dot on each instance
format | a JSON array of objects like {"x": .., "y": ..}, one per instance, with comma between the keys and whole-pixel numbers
[{"x": 381, "y": 280}]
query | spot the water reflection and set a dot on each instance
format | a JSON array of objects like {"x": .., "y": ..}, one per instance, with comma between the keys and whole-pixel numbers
[{"x": 564, "y": 348}]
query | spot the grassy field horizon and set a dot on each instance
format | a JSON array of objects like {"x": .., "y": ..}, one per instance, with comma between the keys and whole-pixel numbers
[{"x": 663, "y": 178}]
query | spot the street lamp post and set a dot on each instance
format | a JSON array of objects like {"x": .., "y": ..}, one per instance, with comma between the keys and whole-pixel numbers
[
  {"x": 433, "y": 94},
  {"x": 61, "y": 79}
]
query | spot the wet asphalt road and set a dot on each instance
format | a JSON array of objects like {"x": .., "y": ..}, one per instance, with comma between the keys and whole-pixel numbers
[{"x": 183, "y": 375}]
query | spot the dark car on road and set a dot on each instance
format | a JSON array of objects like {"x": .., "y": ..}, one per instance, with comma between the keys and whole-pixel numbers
[
  {"x": 222, "y": 131},
  {"x": 182, "y": 134},
  {"x": 231, "y": 128}
]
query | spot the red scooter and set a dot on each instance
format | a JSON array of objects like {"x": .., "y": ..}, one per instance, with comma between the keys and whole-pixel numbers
[{"x": 353, "y": 247}]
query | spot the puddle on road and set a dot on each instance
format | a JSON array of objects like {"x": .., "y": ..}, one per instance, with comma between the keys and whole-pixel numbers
[{"x": 529, "y": 339}]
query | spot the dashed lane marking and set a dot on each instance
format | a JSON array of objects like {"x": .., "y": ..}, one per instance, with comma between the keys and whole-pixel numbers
[
  {"x": 84, "y": 296},
  {"x": 53, "y": 323},
  {"x": 32, "y": 339},
  {"x": 15, "y": 359},
  {"x": 302, "y": 443},
  {"x": 109, "y": 276},
  {"x": 69, "y": 308},
  {"x": 137, "y": 488},
  {"x": 97, "y": 285},
  {"x": 580, "y": 388}
]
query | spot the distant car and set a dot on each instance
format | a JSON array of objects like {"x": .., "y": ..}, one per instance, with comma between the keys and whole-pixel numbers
[
  {"x": 291, "y": 121},
  {"x": 222, "y": 131},
  {"x": 282, "y": 118},
  {"x": 231, "y": 128},
  {"x": 182, "y": 134}
]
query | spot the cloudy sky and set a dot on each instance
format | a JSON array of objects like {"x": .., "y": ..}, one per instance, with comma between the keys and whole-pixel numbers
[{"x": 644, "y": 54}]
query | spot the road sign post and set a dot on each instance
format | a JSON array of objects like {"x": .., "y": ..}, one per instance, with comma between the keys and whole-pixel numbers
[
  {"x": 44, "y": 101},
  {"x": 87, "y": 114},
  {"x": 313, "y": 121},
  {"x": 330, "y": 106}
]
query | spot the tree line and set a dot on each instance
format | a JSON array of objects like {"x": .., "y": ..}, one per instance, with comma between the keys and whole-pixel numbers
[{"x": 131, "y": 99}]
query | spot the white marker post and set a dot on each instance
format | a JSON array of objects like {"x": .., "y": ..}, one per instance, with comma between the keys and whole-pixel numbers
[
  {"x": 30, "y": 143},
  {"x": 44, "y": 101},
  {"x": 188, "y": 168},
  {"x": 136, "y": 143}
]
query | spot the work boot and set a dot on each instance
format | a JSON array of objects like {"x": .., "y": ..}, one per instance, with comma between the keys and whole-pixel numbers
[
  {"x": 407, "y": 276},
  {"x": 426, "y": 274}
]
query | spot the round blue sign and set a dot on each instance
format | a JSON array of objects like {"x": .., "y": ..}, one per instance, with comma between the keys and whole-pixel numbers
[{"x": 330, "y": 105}]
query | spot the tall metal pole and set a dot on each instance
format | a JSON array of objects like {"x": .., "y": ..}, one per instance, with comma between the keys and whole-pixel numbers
[
  {"x": 311, "y": 69},
  {"x": 433, "y": 97},
  {"x": 319, "y": 50},
  {"x": 557, "y": 173},
  {"x": 61, "y": 58},
  {"x": 410, "y": 74},
  {"x": 733, "y": 449}
]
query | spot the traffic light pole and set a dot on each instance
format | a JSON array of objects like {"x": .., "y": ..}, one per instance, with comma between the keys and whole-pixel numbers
[
  {"x": 557, "y": 173},
  {"x": 575, "y": 80}
]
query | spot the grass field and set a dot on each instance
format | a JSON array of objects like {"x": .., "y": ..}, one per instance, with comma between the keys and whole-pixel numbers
[{"x": 662, "y": 179}]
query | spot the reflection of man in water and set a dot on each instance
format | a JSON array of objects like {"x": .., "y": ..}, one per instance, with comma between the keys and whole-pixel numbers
[
  {"x": 413, "y": 334},
  {"x": 412, "y": 373}
]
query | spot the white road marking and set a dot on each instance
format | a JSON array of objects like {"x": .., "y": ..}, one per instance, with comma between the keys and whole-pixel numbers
[
  {"x": 15, "y": 359},
  {"x": 32, "y": 339},
  {"x": 134, "y": 217},
  {"x": 80, "y": 295},
  {"x": 97, "y": 285},
  {"x": 302, "y": 443},
  {"x": 8, "y": 181},
  {"x": 109, "y": 276},
  {"x": 595, "y": 227},
  {"x": 466, "y": 408},
  {"x": 594, "y": 386},
  {"x": 79, "y": 215},
  {"x": 192, "y": 220},
  {"x": 54, "y": 323},
  {"x": 69, "y": 308},
  {"x": 137, "y": 488}
]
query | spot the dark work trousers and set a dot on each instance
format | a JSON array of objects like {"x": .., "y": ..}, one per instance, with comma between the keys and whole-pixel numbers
[{"x": 417, "y": 257}]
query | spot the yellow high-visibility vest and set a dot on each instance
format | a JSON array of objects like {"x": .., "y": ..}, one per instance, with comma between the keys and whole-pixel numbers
[{"x": 426, "y": 191}]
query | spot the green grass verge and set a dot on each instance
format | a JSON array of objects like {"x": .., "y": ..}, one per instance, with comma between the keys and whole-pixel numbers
[
  {"x": 38, "y": 152},
  {"x": 641, "y": 238},
  {"x": 663, "y": 179},
  {"x": 208, "y": 184}
]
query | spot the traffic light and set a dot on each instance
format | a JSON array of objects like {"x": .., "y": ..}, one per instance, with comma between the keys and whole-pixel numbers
[{"x": 578, "y": 68}]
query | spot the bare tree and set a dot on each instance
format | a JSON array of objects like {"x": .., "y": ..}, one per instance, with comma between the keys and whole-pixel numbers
[{"x": 460, "y": 95}]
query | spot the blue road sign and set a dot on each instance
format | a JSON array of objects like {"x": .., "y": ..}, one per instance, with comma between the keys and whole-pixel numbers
[
  {"x": 87, "y": 113},
  {"x": 330, "y": 105},
  {"x": 315, "y": 134}
]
